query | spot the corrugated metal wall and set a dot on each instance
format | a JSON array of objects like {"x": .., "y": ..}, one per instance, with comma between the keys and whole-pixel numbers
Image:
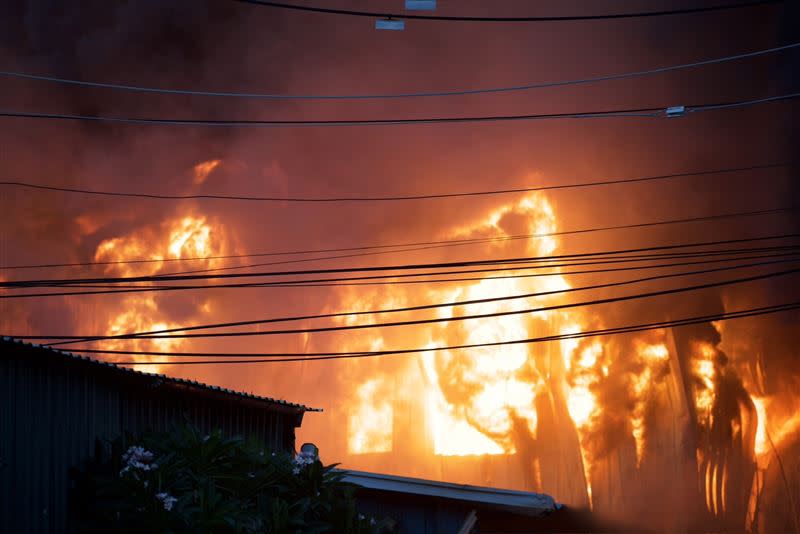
[{"x": 52, "y": 410}]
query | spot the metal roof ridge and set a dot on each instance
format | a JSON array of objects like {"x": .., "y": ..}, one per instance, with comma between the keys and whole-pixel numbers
[{"x": 174, "y": 379}]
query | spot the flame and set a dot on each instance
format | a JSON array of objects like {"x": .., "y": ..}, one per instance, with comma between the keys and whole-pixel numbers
[
  {"x": 190, "y": 238},
  {"x": 762, "y": 447},
  {"x": 485, "y": 402},
  {"x": 649, "y": 357},
  {"x": 495, "y": 388},
  {"x": 478, "y": 400},
  {"x": 581, "y": 402},
  {"x": 371, "y": 423},
  {"x": 181, "y": 237},
  {"x": 202, "y": 170},
  {"x": 705, "y": 374}
]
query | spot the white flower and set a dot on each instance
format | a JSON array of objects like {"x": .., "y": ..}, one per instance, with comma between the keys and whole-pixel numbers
[
  {"x": 137, "y": 458},
  {"x": 167, "y": 500},
  {"x": 371, "y": 520},
  {"x": 296, "y": 471},
  {"x": 361, "y": 516}
]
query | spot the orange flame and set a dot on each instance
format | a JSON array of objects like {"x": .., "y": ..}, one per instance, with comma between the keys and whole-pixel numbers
[
  {"x": 182, "y": 237},
  {"x": 202, "y": 170}
]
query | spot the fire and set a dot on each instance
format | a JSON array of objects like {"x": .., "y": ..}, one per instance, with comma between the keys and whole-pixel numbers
[
  {"x": 188, "y": 236},
  {"x": 452, "y": 435},
  {"x": 371, "y": 423},
  {"x": 581, "y": 402},
  {"x": 577, "y": 409},
  {"x": 705, "y": 373},
  {"x": 483, "y": 401},
  {"x": 202, "y": 170},
  {"x": 650, "y": 356},
  {"x": 762, "y": 447}
]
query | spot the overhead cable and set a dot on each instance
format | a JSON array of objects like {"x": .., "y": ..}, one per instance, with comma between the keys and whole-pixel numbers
[
  {"x": 559, "y": 18},
  {"x": 685, "y": 220},
  {"x": 154, "y": 196},
  {"x": 651, "y": 113},
  {"x": 527, "y": 311},
  {"x": 383, "y": 96},
  {"x": 384, "y": 279},
  {"x": 172, "y": 332},
  {"x": 316, "y": 356},
  {"x": 414, "y": 267}
]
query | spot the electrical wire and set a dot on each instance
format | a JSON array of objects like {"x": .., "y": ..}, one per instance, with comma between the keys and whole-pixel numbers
[
  {"x": 642, "y": 112},
  {"x": 426, "y": 94},
  {"x": 414, "y": 267},
  {"x": 623, "y": 113},
  {"x": 562, "y": 18},
  {"x": 510, "y": 238},
  {"x": 170, "y": 333},
  {"x": 393, "y": 281},
  {"x": 439, "y": 320},
  {"x": 379, "y": 199},
  {"x": 317, "y": 356}
]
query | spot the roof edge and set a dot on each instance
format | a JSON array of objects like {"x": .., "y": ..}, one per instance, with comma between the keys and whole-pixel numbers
[
  {"x": 538, "y": 502},
  {"x": 209, "y": 388}
]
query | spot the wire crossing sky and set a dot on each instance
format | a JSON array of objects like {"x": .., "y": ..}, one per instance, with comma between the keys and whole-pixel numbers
[
  {"x": 299, "y": 356},
  {"x": 640, "y": 113},
  {"x": 386, "y": 96},
  {"x": 561, "y": 18},
  {"x": 433, "y": 196},
  {"x": 170, "y": 333}
]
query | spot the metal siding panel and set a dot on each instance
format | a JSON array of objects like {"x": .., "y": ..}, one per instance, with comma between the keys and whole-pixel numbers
[
  {"x": 53, "y": 411},
  {"x": 7, "y": 410}
]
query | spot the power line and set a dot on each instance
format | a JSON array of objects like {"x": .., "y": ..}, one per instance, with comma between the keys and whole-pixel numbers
[
  {"x": 562, "y": 18},
  {"x": 623, "y": 113},
  {"x": 385, "y": 198},
  {"x": 426, "y": 94},
  {"x": 393, "y": 281},
  {"x": 169, "y": 333},
  {"x": 316, "y": 356},
  {"x": 439, "y": 320},
  {"x": 449, "y": 243},
  {"x": 416, "y": 267},
  {"x": 368, "y": 247},
  {"x": 510, "y": 238},
  {"x": 642, "y": 112},
  {"x": 444, "y": 243}
]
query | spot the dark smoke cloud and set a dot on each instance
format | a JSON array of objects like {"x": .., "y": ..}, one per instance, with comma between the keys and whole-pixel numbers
[{"x": 227, "y": 46}]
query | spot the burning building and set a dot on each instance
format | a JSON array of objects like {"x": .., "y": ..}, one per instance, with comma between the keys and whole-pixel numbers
[
  {"x": 675, "y": 415},
  {"x": 694, "y": 425}
]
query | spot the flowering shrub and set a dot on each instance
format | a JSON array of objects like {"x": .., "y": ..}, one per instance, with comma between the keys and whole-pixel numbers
[{"x": 182, "y": 481}]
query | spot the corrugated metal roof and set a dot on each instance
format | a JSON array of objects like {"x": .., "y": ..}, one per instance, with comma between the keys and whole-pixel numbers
[
  {"x": 171, "y": 379},
  {"x": 535, "y": 503}
]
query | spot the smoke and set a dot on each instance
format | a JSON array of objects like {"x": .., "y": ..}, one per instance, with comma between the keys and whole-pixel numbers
[{"x": 225, "y": 46}]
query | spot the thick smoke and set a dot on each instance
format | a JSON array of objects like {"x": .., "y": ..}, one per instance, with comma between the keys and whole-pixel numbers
[{"x": 226, "y": 46}]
